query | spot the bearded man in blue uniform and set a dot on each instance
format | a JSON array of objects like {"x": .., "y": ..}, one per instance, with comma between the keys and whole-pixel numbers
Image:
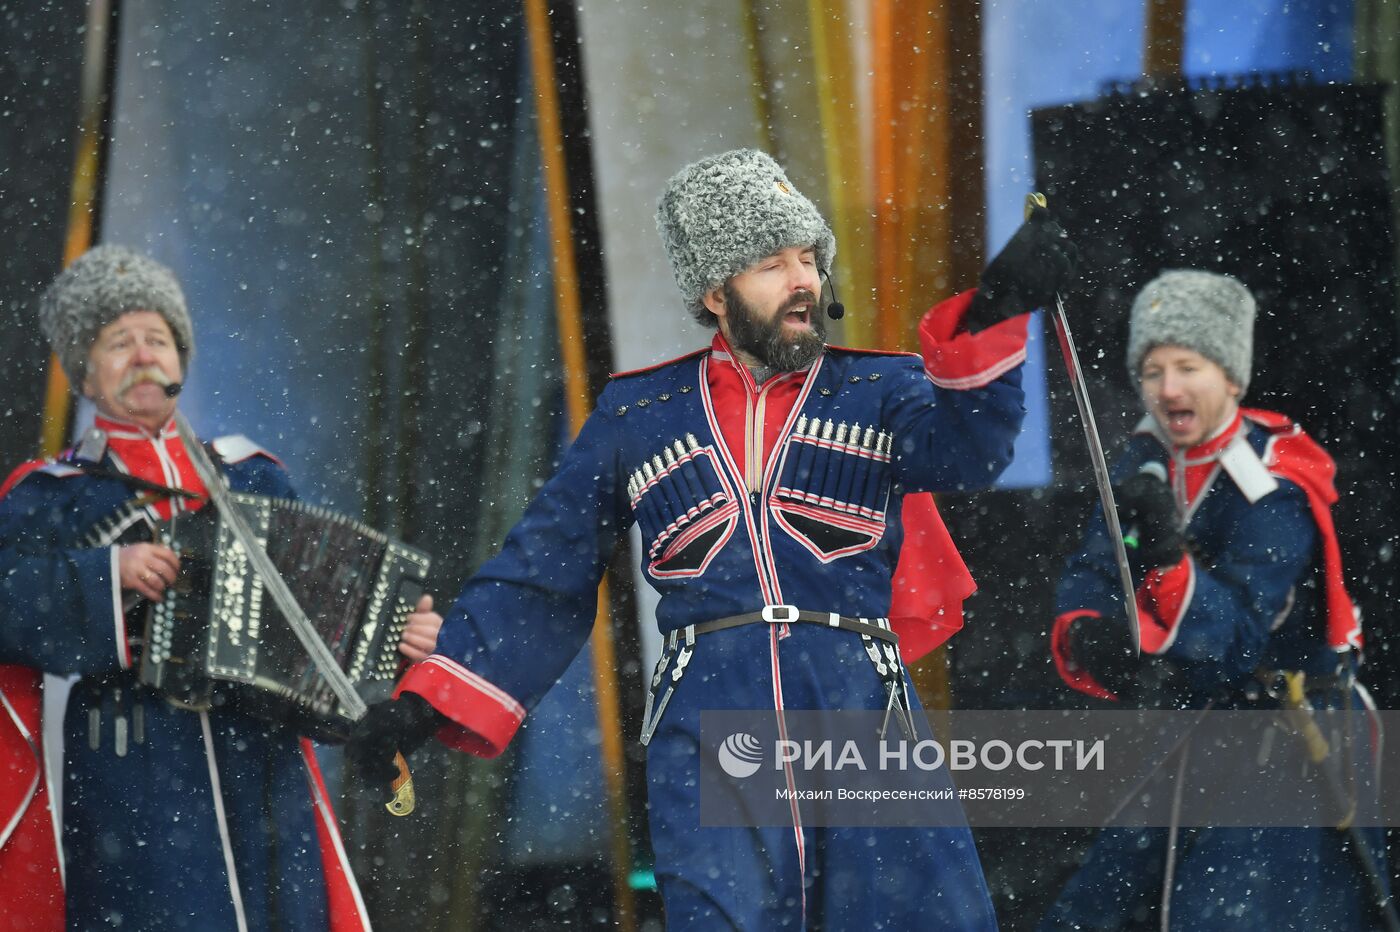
[
  {"x": 1240, "y": 591},
  {"x": 174, "y": 818},
  {"x": 765, "y": 473}
]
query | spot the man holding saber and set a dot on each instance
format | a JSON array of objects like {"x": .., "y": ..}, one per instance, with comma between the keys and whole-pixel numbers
[
  {"x": 1239, "y": 590},
  {"x": 766, "y": 474}
]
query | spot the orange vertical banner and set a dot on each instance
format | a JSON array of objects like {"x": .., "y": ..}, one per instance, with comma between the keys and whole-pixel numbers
[{"x": 569, "y": 316}]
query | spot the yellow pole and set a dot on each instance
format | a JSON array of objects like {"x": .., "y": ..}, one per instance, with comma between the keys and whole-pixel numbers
[
  {"x": 84, "y": 191},
  {"x": 761, "y": 85},
  {"x": 846, "y": 169},
  {"x": 1163, "y": 38},
  {"x": 568, "y": 312}
]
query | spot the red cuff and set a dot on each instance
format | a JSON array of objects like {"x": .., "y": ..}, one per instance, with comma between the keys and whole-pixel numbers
[
  {"x": 1162, "y": 601},
  {"x": 484, "y": 716},
  {"x": 954, "y": 358},
  {"x": 1070, "y": 671}
]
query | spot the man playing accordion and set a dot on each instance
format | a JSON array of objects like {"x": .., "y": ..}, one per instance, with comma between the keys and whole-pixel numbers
[{"x": 174, "y": 817}]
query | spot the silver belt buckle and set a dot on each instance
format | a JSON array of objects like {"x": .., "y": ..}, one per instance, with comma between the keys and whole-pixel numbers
[
  {"x": 770, "y": 614},
  {"x": 789, "y": 615}
]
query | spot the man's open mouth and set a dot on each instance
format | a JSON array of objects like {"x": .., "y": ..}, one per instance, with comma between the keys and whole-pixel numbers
[{"x": 1180, "y": 419}]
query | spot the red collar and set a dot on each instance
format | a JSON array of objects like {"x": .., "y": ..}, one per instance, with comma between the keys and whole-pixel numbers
[
  {"x": 750, "y": 417},
  {"x": 159, "y": 457},
  {"x": 117, "y": 429},
  {"x": 1211, "y": 447},
  {"x": 1191, "y": 470},
  {"x": 721, "y": 351}
]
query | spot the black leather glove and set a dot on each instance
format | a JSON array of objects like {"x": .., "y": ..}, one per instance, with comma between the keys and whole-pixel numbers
[
  {"x": 1147, "y": 511},
  {"x": 1101, "y": 648},
  {"x": 1038, "y": 261},
  {"x": 401, "y": 725}
]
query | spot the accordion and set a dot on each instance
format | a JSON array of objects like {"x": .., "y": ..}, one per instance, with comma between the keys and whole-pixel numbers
[{"x": 218, "y": 638}]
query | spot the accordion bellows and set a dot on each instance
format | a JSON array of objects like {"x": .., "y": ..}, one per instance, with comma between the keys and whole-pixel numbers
[{"x": 218, "y": 638}]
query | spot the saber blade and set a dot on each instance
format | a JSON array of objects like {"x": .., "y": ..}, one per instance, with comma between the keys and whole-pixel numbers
[{"x": 1091, "y": 435}]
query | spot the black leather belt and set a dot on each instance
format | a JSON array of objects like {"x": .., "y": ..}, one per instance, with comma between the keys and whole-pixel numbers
[
  {"x": 790, "y": 614},
  {"x": 679, "y": 646}
]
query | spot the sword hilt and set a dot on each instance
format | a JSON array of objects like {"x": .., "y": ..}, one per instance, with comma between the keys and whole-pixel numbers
[
  {"x": 1033, "y": 200},
  {"x": 404, "y": 798}
]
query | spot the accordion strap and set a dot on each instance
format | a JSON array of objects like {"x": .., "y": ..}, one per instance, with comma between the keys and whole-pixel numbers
[{"x": 98, "y": 471}]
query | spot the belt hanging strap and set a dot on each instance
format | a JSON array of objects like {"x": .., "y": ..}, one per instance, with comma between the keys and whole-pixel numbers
[
  {"x": 879, "y": 640},
  {"x": 649, "y": 722},
  {"x": 661, "y": 663}
]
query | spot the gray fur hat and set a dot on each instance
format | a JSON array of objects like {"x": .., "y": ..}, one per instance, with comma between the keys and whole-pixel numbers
[
  {"x": 98, "y": 287},
  {"x": 721, "y": 214},
  {"x": 1203, "y": 311}
]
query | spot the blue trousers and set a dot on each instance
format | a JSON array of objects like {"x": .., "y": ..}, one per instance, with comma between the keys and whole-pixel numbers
[{"x": 762, "y": 878}]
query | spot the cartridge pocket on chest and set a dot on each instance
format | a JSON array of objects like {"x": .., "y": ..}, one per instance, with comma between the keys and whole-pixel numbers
[
  {"x": 685, "y": 509},
  {"x": 834, "y": 487}
]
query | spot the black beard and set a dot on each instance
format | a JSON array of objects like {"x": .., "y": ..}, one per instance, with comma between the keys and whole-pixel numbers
[{"x": 765, "y": 341}]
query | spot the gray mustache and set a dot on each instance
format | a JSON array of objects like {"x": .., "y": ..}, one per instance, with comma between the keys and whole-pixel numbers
[{"x": 146, "y": 374}]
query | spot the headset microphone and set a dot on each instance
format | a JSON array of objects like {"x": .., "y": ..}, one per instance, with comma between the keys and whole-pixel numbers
[
  {"x": 173, "y": 389},
  {"x": 835, "y": 310}
]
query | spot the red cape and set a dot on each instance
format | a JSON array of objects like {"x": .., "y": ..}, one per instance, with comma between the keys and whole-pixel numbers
[
  {"x": 930, "y": 582},
  {"x": 31, "y": 887},
  {"x": 1293, "y": 455}
]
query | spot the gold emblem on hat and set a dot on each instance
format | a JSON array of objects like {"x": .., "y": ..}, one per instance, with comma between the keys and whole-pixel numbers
[{"x": 782, "y": 187}]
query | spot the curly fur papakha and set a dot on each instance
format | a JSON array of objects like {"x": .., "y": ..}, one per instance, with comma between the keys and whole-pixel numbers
[
  {"x": 720, "y": 215},
  {"x": 101, "y": 285},
  {"x": 1207, "y": 312}
]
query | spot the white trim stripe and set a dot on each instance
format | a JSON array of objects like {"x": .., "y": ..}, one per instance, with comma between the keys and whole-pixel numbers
[
  {"x": 772, "y": 473},
  {"x": 327, "y": 817},
  {"x": 709, "y": 504},
  {"x": 728, "y": 523},
  {"x": 119, "y": 616},
  {"x": 798, "y": 836},
  {"x": 707, "y": 523},
  {"x": 817, "y": 552},
  {"x": 52, "y": 762},
  {"x": 980, "y": 379},
  {"x": 235, "y": 895},
  {"x": 479, "y": 683},
  {"x": 9, "y": 827},
  {"x": 1195, "y": 503},
  {"x": 825, "y": 501},
  {"x": 167, "y": 462},
  {"x": 842, "y": 448},
  {"x": 670, "y": 468},
  {"x": 735, "y": 478}
]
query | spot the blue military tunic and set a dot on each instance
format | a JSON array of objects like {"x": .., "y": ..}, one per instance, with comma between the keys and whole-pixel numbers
[
  {"x": 811, "y": 520},
  {"x": 1259, "y": 591},
  {"x": 206, "y": 820}
]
